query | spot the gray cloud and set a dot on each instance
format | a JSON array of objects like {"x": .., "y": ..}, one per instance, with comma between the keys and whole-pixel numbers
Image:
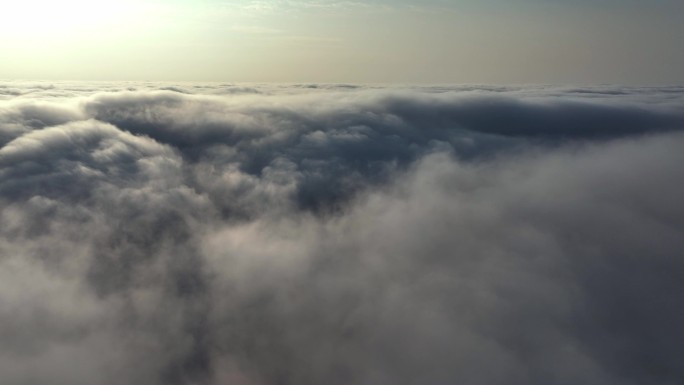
[{"x": 336, "y": 234}]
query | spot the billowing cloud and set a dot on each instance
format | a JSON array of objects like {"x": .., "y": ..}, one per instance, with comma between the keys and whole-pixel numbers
[{"x": 318, "y": 234}]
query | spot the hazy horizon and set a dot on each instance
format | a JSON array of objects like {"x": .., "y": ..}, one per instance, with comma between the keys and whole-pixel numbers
[{"x": 327, "y": 41}]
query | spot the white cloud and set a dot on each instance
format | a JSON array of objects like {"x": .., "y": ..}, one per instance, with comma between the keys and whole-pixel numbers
[{"x": 336, "y": 234}]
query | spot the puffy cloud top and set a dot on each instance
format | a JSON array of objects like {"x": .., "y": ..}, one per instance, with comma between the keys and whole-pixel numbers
[{"x": 337, "y": 234}]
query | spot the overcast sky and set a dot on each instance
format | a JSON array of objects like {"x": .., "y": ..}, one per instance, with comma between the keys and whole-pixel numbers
[{"x": 436, "y": 41}]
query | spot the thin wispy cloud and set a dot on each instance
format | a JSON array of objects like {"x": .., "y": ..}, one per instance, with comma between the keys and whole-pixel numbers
[{"x": 256, "y": 29}]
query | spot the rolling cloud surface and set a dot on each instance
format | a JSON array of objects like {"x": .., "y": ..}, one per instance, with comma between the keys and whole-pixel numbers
[{"x": 340, "y": 234}]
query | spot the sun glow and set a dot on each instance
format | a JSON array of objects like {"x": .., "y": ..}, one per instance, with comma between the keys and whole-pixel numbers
[{"x": 56, "y": 19}]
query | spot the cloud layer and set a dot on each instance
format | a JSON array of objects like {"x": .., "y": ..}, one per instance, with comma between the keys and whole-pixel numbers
[{"x": 318, "y": 234}]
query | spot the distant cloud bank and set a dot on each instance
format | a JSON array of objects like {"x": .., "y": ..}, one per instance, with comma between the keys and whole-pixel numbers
[{"x": 340, "y": 234}]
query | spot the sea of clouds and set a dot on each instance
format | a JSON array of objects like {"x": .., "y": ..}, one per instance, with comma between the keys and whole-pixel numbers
[{"x": 210, "y": 234}]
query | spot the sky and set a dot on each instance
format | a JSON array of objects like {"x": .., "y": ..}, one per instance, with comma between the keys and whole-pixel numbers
[{"x": 436, "y": 41}]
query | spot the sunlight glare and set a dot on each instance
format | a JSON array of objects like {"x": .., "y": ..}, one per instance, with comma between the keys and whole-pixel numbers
[{"x": 29, "y": 19}]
